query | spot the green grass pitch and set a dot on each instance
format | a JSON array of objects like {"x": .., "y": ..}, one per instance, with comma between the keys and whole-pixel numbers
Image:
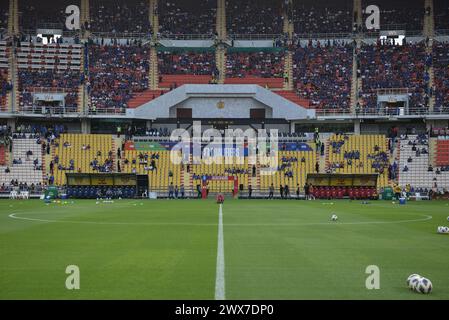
[{"x": 161, "y": 249}]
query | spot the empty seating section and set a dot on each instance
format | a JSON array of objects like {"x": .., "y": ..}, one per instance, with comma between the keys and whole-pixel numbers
[
  {"x": 263, "y": 68},
  {"x": 179, "y": 17},
  {"x": 364, "y": 154},
  {"x": 25, "y": 164},
  {"x": 82, "y": 149},
  {"x": 441, "y": 72},
  {"x": 323, "y": 76},
  {"x": 417, "y": 173},
  {"x": 393, "y": 67},
  {"x": 117, "y": 72},
  {"x": 161, "y": 176},
  {"x": 5, "y": 85},
  {"x": 254, "y": 17},
  {"x": 323, "y": 17},
  {"x": 231, "y": 166},
  {"x": 117, "y": 16},
  {"x": 52, "y": 68}
]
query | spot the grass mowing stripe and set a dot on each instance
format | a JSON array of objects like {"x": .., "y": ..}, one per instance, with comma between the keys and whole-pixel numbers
[{"x": 220, "y": 274}]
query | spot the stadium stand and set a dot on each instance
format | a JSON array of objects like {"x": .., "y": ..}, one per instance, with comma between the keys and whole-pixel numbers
[
  {"x": 4, "y": 16},
  {"x": 417, "y": 170},
  {"x": 292, "y": 170},
  {"x": 363, "y": 154},
  {"x": 323, "y": 76},
  {"x": 254, "y": 17},
  {"x": 255, "y": 64},
  {"x": 25, "y": 163},
  {"x": 54, "y": 68},
  {"x": 322, "y": 17},
  {"x": 81, "y": 153},
  {"x": 118, "y": 69},
  {"x": 160, "y": 169},
  {"x": 441, "y": 12},
  {"x": 399, "y": 14},
  {"x": 191, "y": 63},
  {"x": 180, "y": 17},
  {"x": 5, "y": 85},
  {"x": 40, "y": 14},
  {"x": 441, "y": 71},
  {"x": 384, "y": 66},
  {"x": 116, "y": 16}
]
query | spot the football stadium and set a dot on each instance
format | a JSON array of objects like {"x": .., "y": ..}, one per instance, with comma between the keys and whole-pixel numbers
[{"x": 224, "y": 150}]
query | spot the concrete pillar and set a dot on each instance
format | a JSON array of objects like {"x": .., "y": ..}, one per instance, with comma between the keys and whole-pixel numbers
[
  {"x": 85, "y": 126},
  {"x": 357, "y": 127},
  {"x": 11, "y": 122}
]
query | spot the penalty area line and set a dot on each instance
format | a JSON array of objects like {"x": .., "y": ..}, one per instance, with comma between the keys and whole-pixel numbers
[{"x": 220, "y": 271}]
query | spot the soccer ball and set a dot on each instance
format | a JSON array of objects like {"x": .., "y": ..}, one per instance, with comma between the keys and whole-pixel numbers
[
  {"x": 440, "y": 229},
  {"x": 424, "y": 286},
  {"x": 447, "y": 218},
  {"x": 445, "y": 229},
  {"x": 414, "y": 282},
  {"x": 412, "y": 279},
  {"x": 334, "y": 217}
]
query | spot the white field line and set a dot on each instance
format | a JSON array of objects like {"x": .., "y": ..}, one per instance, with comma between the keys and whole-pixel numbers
[
  {"x": 220, "y": 273},
  {"x": 330, "y": 223}
]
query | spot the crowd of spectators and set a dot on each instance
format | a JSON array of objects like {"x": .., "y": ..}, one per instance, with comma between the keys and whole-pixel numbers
[
  {"x": 255, "y": 64},
  {"x": 38, "y": 14},
  {"x": 194, "y": 63},
  {"x": 118, "y": 16},
  {"x": 441, "y": 14},
  {"x": 116, "y": 73},
  {"x": 441, "y": 79},
  {"x": 5, "y": 87},
  {"x": 67, "y": 81},
  {"x": 400, "y": 14},
  {"x": 3, "y": 17},
  {"x": 324, "y": 17},
  {"x": 254, "y": 17},
  {"x": 386, "y": 66},
  {"x": 187, "y": 17},
  {"x": 21, "y": 186},
  {"x": 323, "y": 75}
]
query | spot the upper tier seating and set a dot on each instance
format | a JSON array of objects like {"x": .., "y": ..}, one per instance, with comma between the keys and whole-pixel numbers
[
  {"x": 323, "y": 17},
  {"x": 43, "y": 14},
  {"x": 187, "y": 17},
  {"x": 116, "y": 16},
  {"x": 398, "y": 67},
  {"x": 323, "y": 76},
  {"x": 359, "y": 154},
  {"x": 441, "y": 80},
  {"x": 192, "y": 63},
  {"x": 254, "y": 17},
  {"x": 116, "y": 73},
  {"x": 22, "y": 167},
  {"x": 5, "y": 85},
  {"x": 255, "y": 64},
  {"x": 441, "y": 14},
  {"x": 399, "y": 14},
  {"x": 52, "y": 68}
]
